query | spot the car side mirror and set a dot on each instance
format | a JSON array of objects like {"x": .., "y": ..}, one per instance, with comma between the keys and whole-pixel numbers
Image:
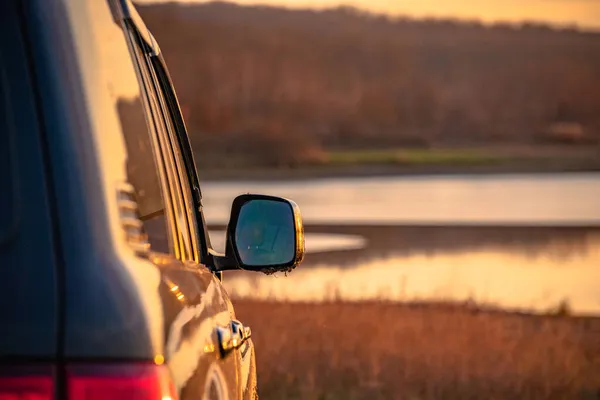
[{"x": 264, "y": 233}]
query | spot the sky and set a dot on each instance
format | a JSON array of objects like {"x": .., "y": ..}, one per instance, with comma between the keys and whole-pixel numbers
[{"x": 583, "y": 13}]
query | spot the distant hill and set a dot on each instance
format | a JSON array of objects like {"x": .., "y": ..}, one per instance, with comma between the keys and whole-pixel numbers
[{"x": 346, "y": 78}]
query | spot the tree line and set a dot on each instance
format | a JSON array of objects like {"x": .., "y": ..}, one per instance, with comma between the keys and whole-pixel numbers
[{"x": 271, "y": 85}]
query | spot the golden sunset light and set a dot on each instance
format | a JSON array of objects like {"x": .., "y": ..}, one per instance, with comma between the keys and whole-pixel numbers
[
  {"x": 583, "y": 13},
  {"x": 302, "y": 199}
]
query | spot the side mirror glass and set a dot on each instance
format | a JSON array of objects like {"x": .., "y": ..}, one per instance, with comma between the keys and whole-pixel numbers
[{"x": 266, "y": 233}]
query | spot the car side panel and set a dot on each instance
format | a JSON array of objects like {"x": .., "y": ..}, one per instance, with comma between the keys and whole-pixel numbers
[
  {"x": 194, "y": 305},
  {"x": 28, "y": 288},
  {"x": 118, "y": 306}
]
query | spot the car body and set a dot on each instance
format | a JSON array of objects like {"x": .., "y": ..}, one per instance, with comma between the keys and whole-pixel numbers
[{"x": 110, "y": 286}]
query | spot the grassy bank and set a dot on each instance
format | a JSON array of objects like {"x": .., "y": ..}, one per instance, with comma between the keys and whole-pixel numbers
[
  {"x": 392, "y": 351},
  {"x": 414, "y": 162},
  {"x": 416, "y": 157}
]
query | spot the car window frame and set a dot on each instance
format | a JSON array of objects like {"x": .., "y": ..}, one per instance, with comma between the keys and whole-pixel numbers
[
  {"x": 188, "y": 169},
  {"x": 155, "y": 126},
  {"x": 187, "y": 243},
  {"x": 180, "y": 164}
]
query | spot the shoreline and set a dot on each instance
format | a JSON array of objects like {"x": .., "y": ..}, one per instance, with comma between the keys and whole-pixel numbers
[
  {"x": 406, "y": 240},
  {"x": 372, "y": 171}
]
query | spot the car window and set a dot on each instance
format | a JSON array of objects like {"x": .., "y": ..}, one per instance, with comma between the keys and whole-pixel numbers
[
  {"x": 166, "y": 87},
  {"x": 142, "y": 165},
  {"x": 183, "y": 244},
  {"x": 182, "y": 152}
]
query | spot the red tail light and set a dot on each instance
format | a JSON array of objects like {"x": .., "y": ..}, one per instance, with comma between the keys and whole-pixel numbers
[
  {"x": 90, "y": 382},
  {"x": 26, "y": 388},
  {"x": 137, "y": 382}
]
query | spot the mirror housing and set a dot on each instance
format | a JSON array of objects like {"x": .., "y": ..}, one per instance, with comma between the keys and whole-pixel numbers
[{"x": 265, "y": 233}]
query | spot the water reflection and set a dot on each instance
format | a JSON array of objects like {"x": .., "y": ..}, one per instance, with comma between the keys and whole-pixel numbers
[
  {"x": 386, "y": 241},
  {"x": 524, "y": 241},
  {"x": 315, "y": 242},
  {"x": 502, "y": 275}
]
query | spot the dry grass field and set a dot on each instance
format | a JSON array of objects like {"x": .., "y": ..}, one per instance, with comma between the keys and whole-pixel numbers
[{"x": 375, "y": 350}]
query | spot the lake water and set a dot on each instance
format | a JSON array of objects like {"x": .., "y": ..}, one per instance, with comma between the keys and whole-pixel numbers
[
  {"x": 507, "y": 240},
  {"x": 541, "y": 199}
]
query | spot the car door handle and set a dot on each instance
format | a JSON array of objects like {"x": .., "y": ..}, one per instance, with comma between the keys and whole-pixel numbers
[
  {"x": 232, "y": 336},
  {"x": 240, "y": 331}
]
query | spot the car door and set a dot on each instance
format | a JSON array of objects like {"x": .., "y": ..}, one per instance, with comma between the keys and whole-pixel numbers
[
  {"x": 199, "y": 317},
  {"x": 243, "y": 352}
]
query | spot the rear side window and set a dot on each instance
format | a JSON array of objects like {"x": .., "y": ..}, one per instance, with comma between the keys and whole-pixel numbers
[
  {"x": 141, "y": 168},
  {"x": 183, "y": 243},
  {"x": 143, "y": 163}
]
